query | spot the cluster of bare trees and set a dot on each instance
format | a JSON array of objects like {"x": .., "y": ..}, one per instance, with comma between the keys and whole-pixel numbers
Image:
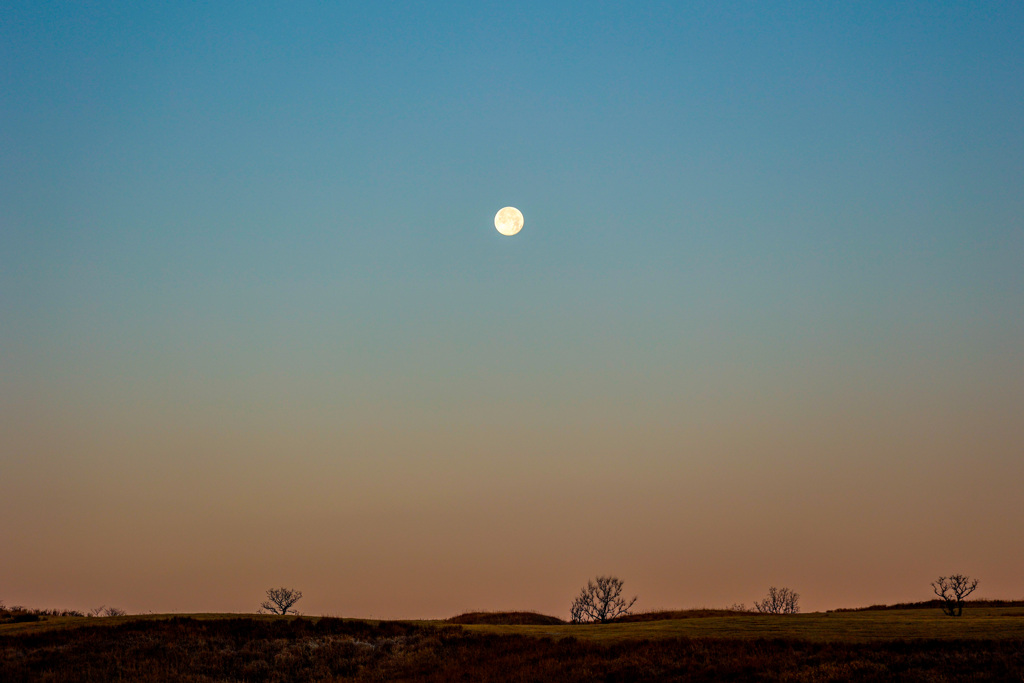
[
  {"x": 601, "y": 601},
  {"x": 104, "y": 611},
  {"x": 779, "y": 601},
  {"x": 18, "y": 613}
]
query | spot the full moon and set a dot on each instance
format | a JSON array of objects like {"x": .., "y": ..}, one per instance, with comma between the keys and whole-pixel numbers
[{"x": 509, "y": 220}]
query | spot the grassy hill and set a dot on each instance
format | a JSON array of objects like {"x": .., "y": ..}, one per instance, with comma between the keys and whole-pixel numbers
[
  {"x": 987, "y": 643},
  {"x": 861, "y": 626},
  {"x": 505, "y": 619}
]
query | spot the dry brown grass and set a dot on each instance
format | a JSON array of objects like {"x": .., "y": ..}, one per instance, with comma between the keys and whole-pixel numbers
[
  {"x": 986, "y": 644},
  {"x": 663, "y": 615}
]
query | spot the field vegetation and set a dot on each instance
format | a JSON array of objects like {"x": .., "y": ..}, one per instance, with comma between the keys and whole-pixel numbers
[
  {"x": 860, "y": 626},
  {"x": 916, "y": 644}
]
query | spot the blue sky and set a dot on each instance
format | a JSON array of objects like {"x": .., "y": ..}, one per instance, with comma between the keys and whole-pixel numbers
[{"x": 271, "y": 224}]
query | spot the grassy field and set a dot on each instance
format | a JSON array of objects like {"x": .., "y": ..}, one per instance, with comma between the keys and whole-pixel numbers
[
  {"x": 986, "y": 643},
  {"x": 64, "y": 623},
  {"x": 986, "y": 623}
]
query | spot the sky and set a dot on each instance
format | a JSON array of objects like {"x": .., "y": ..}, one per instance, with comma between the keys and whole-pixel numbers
[{"x": 764, "y": 324}]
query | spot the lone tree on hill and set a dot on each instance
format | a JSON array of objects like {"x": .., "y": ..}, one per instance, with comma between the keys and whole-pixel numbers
[
  {"x": 953, "y": 590},
  {"x": 779, "y": 601},
  {"x": 601, "y": 601},
  {"x": 280, "y": 601}
]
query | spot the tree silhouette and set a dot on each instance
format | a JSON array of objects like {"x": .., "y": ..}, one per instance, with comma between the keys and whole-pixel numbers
[
  {"x": 600, "y": 601},
  {"x": 779, "y": 601},
  {"x": 104, "y": 611},
  {"x": 952, "y": 590},
  {"x": 280, "y": 601}
]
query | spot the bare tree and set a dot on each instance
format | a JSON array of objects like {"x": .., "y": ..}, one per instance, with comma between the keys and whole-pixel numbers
[
  {"x": 953, "y": 590},
  {"x": 600, "y": 601},
  {"x": 280, "y": 601},
  {"x": 779, "y": 601},
  {"x": 104, "y": 611}
]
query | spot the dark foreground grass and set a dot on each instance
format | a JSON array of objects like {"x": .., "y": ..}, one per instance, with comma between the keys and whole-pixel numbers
[{"x": 327, "y": 649}]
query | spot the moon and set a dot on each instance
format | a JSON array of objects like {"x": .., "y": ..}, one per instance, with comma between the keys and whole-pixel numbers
[{"x": 509, "y": 221}]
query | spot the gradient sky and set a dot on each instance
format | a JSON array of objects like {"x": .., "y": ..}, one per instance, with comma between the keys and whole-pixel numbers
[{"x": 764, "y": 324}]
